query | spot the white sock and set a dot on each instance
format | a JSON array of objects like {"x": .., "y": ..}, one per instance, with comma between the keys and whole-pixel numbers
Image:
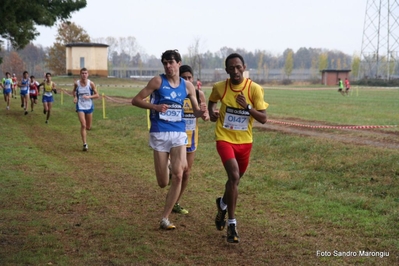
[
  {"x": 231, "y": 221},
  {"x": 223, "y": 205}
]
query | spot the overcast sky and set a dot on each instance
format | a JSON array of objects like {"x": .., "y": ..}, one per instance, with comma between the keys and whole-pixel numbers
[{"x": 270, "y": 25}]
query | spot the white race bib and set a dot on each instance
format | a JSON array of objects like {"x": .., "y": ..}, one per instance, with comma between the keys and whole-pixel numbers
[
  {"x": 171, "y": 115},
  {"x": 236, "y": 119},
  {"x": 191, "y": 122},
  {"x": 84, "y": 104}
]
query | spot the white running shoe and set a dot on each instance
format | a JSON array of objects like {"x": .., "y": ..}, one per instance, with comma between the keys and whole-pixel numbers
[{"x": 166, "y": 225}]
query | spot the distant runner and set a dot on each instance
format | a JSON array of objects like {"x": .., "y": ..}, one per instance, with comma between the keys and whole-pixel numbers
[{"x": 347, "y": 86}]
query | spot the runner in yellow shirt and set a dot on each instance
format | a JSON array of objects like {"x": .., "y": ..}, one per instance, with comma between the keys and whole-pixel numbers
[
  {"x": 47, "y": 98},
  {"x": 242, "y": 101}
]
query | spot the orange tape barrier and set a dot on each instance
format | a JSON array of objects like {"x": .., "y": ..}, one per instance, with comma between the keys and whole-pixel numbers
[{"x": 328, "y": 127}]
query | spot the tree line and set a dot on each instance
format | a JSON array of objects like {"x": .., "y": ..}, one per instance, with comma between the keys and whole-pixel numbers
[{"x": 125, "y": 52}]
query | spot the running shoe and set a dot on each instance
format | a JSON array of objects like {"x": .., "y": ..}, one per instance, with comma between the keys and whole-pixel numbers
[
  {"x": 166, "y": 225},
  {"x": 8, "y": 107},
  {"x": 232, "y": 234},
  {"x": 46, "y": 121},
  {"x": 220, "y": 220},
  {"x": 179, "y": 209},
  {"x": 26, "y": 112},
  {"x": 85, "y": 147}
]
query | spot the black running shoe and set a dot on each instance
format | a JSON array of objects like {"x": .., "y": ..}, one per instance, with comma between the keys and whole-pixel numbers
[
  {"x": 232, "y": 234},
  {"x": 220, "y": 220}
]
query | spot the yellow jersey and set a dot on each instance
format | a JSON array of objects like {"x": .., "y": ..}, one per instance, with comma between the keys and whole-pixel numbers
[
  {"x": 191, "y": 126},
  {"x": 235, "y": 123},
  {"x": 48, "y": 89}
]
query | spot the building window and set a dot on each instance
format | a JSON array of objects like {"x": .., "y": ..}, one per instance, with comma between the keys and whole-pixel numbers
[{"x": 82, "y": 62}]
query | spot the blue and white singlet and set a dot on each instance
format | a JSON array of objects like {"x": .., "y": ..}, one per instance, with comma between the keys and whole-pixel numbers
[
  {"x": 25, "y": 87},
  {"x": 82, "y": 103},
  {"x": 172, "y": 119}
]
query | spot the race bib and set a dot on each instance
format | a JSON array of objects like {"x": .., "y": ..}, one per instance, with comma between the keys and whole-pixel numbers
[
  {"x": 191, "y": 122},
  {"x": 236, "y": 119},
  {"x": 48, "y": 93},
  {"x": 84, "y": 104},
  {"x": 173, "y": 114}
]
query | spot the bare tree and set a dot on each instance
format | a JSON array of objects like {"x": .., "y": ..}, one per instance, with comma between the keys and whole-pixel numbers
[
  {"x": 13, "y": 63},
  {"x": 113, "y": 46},
  {"x": 195, "y": 57},
  {"x": 33, "y": 57}
]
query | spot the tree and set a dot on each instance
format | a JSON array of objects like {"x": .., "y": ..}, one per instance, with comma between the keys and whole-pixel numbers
[
  {"x": 18, "y": 19},
  {"x": 68, "y": 32},
  {"x": 33, "y": 57},
  {"x": 338, "y": 64},
  {"x": 128, "y": 45},
  {"x": 13, "y": 64},
  {"x": 56, "y": 60},
  {"x": 314, "y": 67},
  {"x": 391, "y": 67},
  {"x": 224, "y": 52},
  {"x": 303, "y": 58},
  {"x": 260, "y": 63},
  {"x": 323, "y": 61},
  {"x": 289, "y": 63},
  {"x": 195, "y": 56},
  {"x": 112, "y": 46}
]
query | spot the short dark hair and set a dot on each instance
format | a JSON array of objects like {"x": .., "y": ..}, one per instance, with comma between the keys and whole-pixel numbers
[
  {"x": 234, "y": 55},
  {"x": 48, "y": 73},
  {"x": 83, "y": 69},
  {"x": 170, "y": 55},
  {"x": 25, "y": 72},
  {"x": 8, "y": 73},
  {"x": 32, "y": 77},
  {"x": 185, "y": 68}
]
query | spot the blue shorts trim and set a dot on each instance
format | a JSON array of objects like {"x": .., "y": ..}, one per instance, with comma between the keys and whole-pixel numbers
[
  {"x": 47, "y": 99},
  {"x": 89, "y": 111}
]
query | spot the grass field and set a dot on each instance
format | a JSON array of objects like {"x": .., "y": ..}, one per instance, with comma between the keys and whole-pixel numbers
[{"x": 303, "y": 200}]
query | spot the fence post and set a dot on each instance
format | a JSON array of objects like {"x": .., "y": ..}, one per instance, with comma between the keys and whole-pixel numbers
[{"x": 103, "y": 97}]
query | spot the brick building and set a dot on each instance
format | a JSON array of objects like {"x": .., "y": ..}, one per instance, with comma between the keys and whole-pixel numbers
[{"x": 329, "y": 77}]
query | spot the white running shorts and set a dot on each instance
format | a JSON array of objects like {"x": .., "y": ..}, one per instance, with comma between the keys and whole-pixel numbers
[{"x": 164, "y": 141}]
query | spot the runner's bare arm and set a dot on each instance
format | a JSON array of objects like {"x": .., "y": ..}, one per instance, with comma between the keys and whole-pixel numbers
[
  {"x": 139, "y": 99},
  {"x": 200, "y": 110},
  {"x": 95, "y": 92},
  {"x": 202, "y": 97},
  {"x": 75, "y": 97}
]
